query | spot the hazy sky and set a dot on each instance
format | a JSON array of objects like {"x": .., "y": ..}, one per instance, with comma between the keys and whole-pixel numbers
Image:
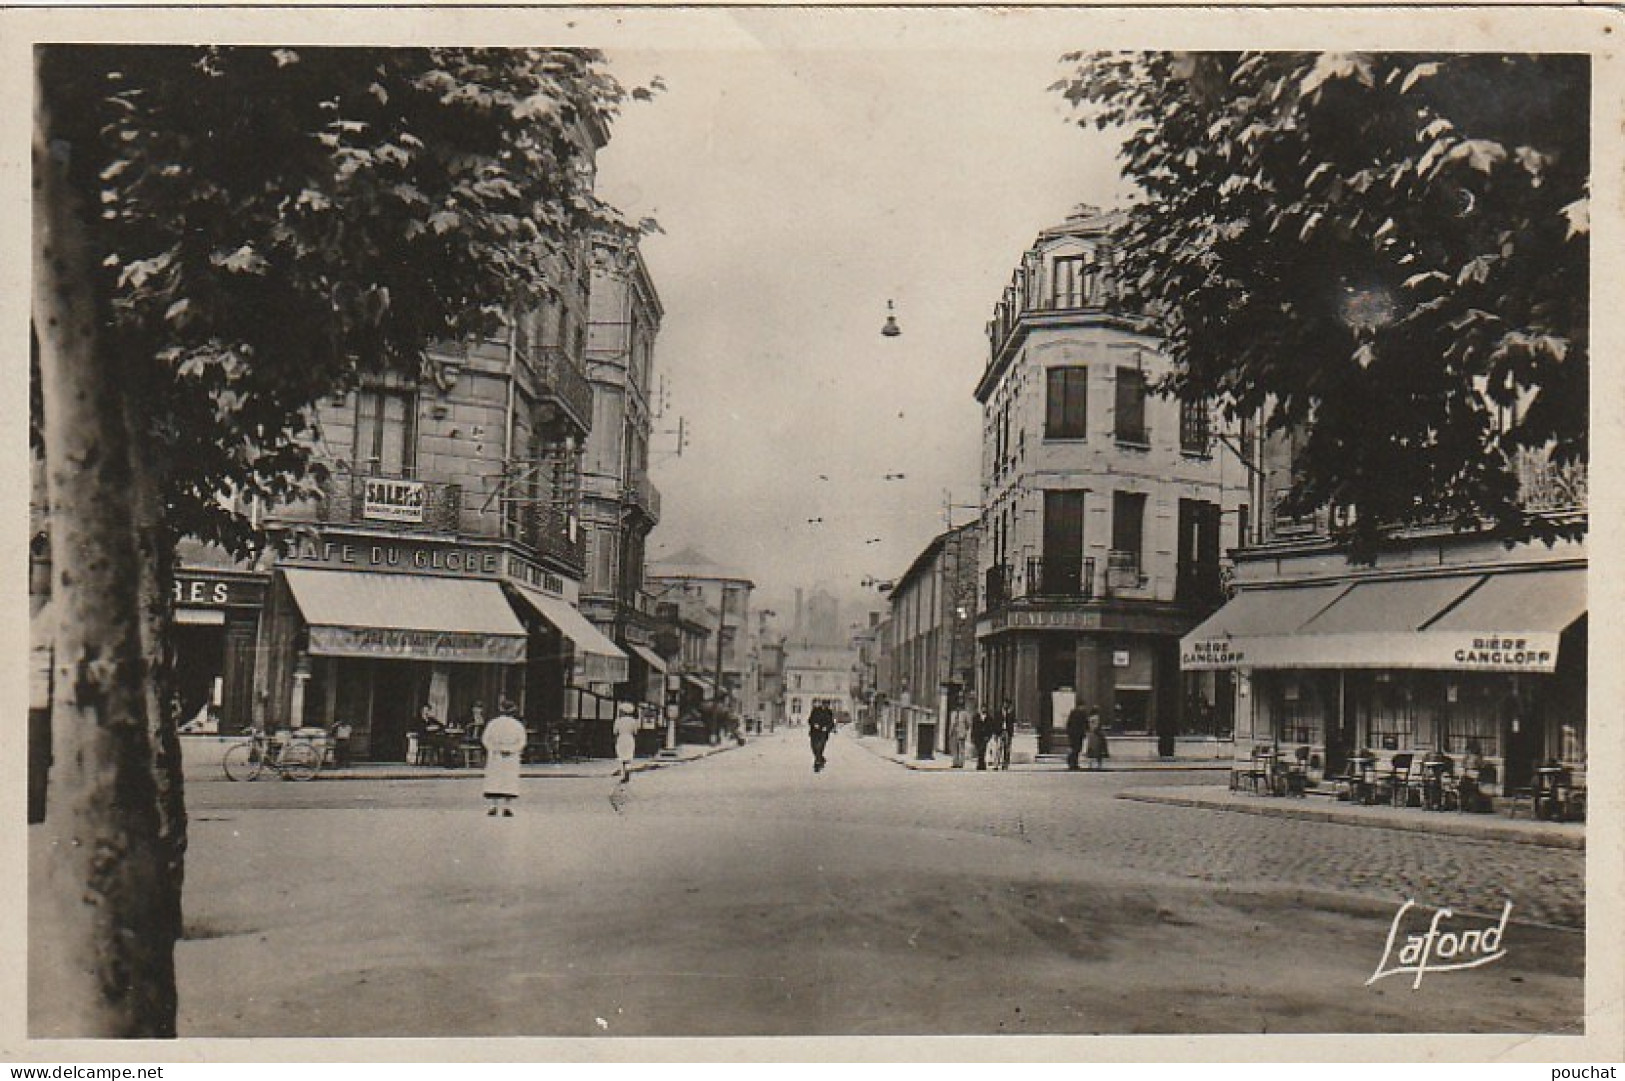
[{"x": 802, "y": 184}]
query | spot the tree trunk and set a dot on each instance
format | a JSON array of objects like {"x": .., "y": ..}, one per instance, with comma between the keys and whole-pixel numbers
[{"x": 103, "y": 936}]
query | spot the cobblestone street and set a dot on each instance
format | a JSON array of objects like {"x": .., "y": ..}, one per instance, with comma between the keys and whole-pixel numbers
[{"x": 745, "y": 895}]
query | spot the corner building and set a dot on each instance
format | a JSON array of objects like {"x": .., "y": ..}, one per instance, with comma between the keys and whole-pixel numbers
[{"x": 1106, "y": 511}]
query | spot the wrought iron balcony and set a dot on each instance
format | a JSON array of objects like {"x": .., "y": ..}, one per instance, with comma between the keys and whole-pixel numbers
[
  {"x": 563, "y": 384},
  {"x": 547, "y": 530},
  {"x": 642, "y": 493},
  {"x": 1064, "y": 578},
  {"x": 393, "y": 501}
]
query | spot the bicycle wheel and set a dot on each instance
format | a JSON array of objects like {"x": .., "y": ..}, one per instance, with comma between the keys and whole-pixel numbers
[
  {"x": 243, "y": 762},
  {"x": 299, "y": 761}
]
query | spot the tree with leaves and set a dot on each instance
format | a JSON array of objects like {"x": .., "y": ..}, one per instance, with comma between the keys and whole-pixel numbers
[
  {"x": 1385, "y": 253},
  {"x": 223, "y": 236}
]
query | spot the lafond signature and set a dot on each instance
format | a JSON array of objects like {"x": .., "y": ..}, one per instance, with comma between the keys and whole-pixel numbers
[{"x": 1437, "y": 950}]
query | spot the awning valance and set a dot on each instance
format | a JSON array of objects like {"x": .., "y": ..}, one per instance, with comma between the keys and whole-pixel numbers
[
  {"x": 407, "y": 617},
  {"x": 649, "y": 657},
  {"x": 1504, "y": 621},
  {"x": 600, "y": 660}
]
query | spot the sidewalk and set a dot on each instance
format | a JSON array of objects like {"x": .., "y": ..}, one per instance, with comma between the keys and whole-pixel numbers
[
  {"x": 1483, "y": 827},
  {"x": 202, "y": 763},
  {"x": 887, "y": 749}
]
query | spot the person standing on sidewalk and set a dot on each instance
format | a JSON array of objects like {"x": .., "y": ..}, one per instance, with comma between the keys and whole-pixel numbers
[
  {"x": 820, "y": 723},
  {"x": 504, "y": 742},
  {"x": 982, "y": 731},
  {"x": 959, "y": 735},
  {"x": 626, "y": 737},
  {"x": 1007, "y": 729},
  {"x": 1077, "y": 730},
  {"x": 1095, "y": 742}
]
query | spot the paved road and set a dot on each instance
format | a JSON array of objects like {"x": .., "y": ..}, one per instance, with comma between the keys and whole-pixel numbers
[{"x": 744, "y": 895}]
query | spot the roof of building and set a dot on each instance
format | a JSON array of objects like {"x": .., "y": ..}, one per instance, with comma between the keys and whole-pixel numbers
[
  {"x": 928, "y": 554},
  {"x": 690, "y": 562}
]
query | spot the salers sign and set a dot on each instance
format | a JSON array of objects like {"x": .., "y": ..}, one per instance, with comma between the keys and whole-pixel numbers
[{"x": 388, "y": 500}]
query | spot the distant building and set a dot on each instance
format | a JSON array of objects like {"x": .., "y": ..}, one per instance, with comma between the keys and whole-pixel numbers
[
  {"x": 693, "y": 576},
  {"x": 1105, "y": 510},
  {"x": 816, "y": 675},
  {"x": 932, "y": 638}
]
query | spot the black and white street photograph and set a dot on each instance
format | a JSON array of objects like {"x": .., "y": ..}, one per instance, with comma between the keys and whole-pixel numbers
[{"x": 1065, "y": 528}]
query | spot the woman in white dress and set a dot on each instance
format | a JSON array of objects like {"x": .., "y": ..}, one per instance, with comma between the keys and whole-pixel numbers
[
  {"x": 504, "y": 742},
  {"x": 626, "y": 737}
]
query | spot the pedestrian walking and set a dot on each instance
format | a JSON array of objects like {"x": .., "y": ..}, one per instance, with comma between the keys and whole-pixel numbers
[
  {"x": 504, "y": 742},
  {"x": 981, "y": 732},
  {"x": 959, "y": 737},
  {"x": 820, "y": 723},
  {"x": 1095, "y": 742},
  {"x": 342, "y": 731},
  {"x": 1007, "y": 730},
  {"x": 1077, "y": 730},
  {"x": 626, "y": 737}
]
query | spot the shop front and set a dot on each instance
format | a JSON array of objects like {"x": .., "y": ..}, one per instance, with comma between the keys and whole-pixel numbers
[
  {"x": 1487, "y": 666},
  {"x": 217, "y": 616},
  {"x": 1118, "y": 661},
  {"x": 573, "y": 669}
]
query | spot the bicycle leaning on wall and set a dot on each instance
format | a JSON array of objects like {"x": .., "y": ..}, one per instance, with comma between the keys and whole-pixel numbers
[{"x": 292, "y": 758}]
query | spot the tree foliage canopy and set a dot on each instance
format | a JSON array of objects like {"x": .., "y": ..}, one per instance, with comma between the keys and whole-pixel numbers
[
  {"x": 1388, "y": 251},
  {"x": 276, "y": 222}
]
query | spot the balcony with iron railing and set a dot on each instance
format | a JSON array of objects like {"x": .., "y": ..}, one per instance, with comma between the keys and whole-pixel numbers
[
  {"x": 550, "y": 532},
  {"x": 1047, "y": 579},
  {"x": 396, "y": 502},
  {"x": 642, "y": 494},
  {"x": 1061, "y": 578},
  {"x": 560, "y": 382}
]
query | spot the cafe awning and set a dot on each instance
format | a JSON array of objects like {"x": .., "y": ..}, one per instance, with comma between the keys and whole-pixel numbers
[
  {"x": 1503, "y": 621},
  {"x": 410, "y": 617},
  {"x": 601, "y": 659},
  {"x": 698, "y": 682},
  {"x": 649, "y": 657}
]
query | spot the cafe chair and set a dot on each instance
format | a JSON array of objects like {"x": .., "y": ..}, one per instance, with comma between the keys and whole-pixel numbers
[
  {"x": 1395, "y": 785},
  {"x": 1297, "y": 773}
]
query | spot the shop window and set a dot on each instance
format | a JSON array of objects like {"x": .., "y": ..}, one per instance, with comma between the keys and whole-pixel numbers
[
  {"x": 1298, "y": 711},
  {"x": 1391, "y": 710},
  {"x": 1472, "y": 714},
  {"x": 1066, "y": 403}
]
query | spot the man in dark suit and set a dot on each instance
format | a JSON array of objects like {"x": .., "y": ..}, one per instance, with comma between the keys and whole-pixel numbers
[
  {"x": 820, "y": 723},
  {"x": 1077, "y": 727}
]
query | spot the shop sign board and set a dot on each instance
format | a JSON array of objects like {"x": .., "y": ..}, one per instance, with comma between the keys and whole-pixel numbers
[
  {"x": 389, "y": 500},
  {"x": 398, "y": 555},
  {"x": 1209, "y": 654},
  {"x": 394, "y": 644},
  {"x": 1439, "y": 651},
  {"x": 212, "y": 591},
  {"x": 527, "y": 573}
]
